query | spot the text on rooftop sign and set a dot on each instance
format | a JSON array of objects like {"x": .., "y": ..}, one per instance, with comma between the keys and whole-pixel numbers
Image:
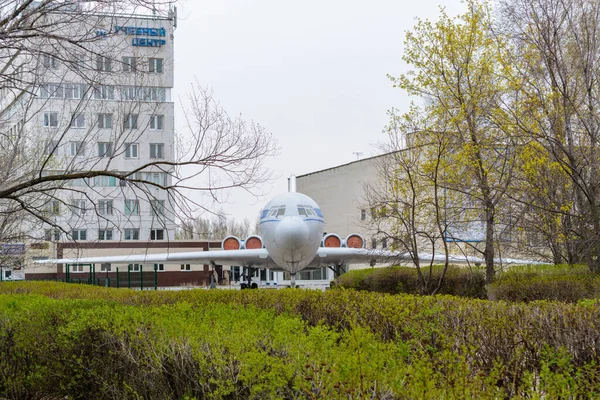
[{"x": 148, "y": 41}]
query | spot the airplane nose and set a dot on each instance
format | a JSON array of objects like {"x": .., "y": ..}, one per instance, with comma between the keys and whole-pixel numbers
[{"x": 291, "y": 233}]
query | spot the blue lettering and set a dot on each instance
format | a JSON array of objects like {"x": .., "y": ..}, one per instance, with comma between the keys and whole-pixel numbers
[{"x": 139, "y": 31}]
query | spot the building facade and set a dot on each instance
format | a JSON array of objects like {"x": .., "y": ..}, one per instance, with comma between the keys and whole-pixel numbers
[
  {"x": 102, "y": 104},
  {"x": 339, "y": 191}
]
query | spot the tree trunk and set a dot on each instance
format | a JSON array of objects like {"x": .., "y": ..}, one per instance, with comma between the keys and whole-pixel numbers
[{"x": 488, "y": 252}]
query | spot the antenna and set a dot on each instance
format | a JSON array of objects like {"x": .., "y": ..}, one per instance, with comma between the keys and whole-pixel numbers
[
  {"x": 292, "y": 184},
  {"x": 358, "y": 154}
]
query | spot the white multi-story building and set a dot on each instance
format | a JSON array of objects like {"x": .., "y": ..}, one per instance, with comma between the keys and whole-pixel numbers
[{"x": 101, "y": 103}]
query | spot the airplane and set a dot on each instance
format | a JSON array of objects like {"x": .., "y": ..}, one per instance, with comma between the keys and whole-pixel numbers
[{"x": 291, "y": 238}]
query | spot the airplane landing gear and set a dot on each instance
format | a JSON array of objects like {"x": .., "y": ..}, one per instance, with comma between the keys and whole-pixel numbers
[{"x": 248, "y": 273}]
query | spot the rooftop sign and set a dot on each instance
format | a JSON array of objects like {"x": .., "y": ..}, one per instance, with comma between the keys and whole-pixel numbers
[{"x": 152, "y": 38}]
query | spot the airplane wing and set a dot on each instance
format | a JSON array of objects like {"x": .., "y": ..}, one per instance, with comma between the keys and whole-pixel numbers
[
  {"x": 327, "y": 256},
  {"x": 257, "y": 258}
]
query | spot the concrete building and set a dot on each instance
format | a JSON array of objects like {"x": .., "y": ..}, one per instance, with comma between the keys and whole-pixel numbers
[
  {"x": 340, "y": 193},
  {"x": 104, "y": 104}
]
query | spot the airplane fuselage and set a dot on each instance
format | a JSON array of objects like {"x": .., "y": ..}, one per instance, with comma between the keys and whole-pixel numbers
[{"x": 291, "y": 226}]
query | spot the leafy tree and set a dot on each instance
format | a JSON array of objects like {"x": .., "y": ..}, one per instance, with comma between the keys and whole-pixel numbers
[
  {"x": 557, "y": 47},
  {"x": 458, "y": 69}
]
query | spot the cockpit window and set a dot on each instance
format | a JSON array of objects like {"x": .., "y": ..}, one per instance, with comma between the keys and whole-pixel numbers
[
  {"x": 301, "y": 210},
  {"x": 273, "y": 212},
  {"x": 281, "y": 211},
  {"x": 309, "y": 211}
]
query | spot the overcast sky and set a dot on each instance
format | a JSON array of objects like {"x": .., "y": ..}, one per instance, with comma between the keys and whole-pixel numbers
[{"x": 313, "y": 72}]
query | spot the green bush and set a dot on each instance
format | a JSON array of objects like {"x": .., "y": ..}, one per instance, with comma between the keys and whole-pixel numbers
[
  {"x": 83, "y": 342},
  {"x": 458, "y": 281},
  {"x": 549, "y": 282}
]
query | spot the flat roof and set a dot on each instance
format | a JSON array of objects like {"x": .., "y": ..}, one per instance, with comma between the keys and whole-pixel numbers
[{"x": 344, "y": 165}]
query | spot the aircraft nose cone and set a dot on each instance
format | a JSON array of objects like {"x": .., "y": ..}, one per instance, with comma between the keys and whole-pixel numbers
[{"x": 291, "y": 234}]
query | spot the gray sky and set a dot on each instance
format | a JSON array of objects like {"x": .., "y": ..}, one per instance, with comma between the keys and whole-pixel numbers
[{"x": 312, "y": 72}]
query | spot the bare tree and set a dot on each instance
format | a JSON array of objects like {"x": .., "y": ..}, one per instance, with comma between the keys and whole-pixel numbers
[
  {"x": 407, "y": 201},
  {"x": 215, "y": 227},
  {"x": 60, "y": 165}
]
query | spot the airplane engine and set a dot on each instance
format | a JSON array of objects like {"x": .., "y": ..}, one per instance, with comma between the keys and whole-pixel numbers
[
  {"x": 253, "y": 242},
  {"x": 355, "y": 241},
  {"x": 331, "y": 240},
  {"x": 231, "y": 243}
]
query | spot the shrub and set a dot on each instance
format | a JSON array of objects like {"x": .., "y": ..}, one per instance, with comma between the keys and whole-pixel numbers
[
  {"x": 556, "y": 282},
  {"x": 458, "y": 281},
  {"x": 78, "y": 341}
]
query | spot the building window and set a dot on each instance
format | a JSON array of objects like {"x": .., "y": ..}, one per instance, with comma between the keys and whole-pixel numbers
[
  {"x": 79, "y": 234},
  {"x": 105, "y": 149},
  {"x": 52, "y": 235},
  {"x": 132, "y": 207},
  {"x": 105, "y": 181},
  {"x": 104, "y": 92},
  {"x": 78, "y": 121},
  {"x": 78, "y": 206},
  {"x": 76, "y": 149},
  {"x": 158, "y": 178},
  {"x": 132, "y": 234},
  {"x": 155, "y": 94},
  {"x": 156, "y": 122},
  {"x": 157, "y": 234},
  {"x": 130, "y": 121},
  {"x": 155, "y": 65},
  {"x": 105, "y": 121},
  {"x": 74, "y": 90},
  {"x": 103, "y": 64},
  {"x": 53, "y": 207},
  {"x": 105, "y": 234},
  {"x": 77, "y": 268},
  {"x": 49, "y": 61},
  {"x": 159, "y": 267},
  {"x": 135, "y": 267},
  {"x": 105, "y": 267},
  {"x": 157, "y": 207},
  {"x": 363, "y": 214},
  {"x": 105, "y": 207},
  {"x": 129, "y": 64},
  {"x": 384, "y": 243},
  {"x": 78, "y": 61},
  {"x": 51, "y": 147},
  {"x": 373, "y": 243},
  {"x": 186, "y": 267},
  {"x": 79, "y": 182},
  {"x": 143, "y": 93},
  {"x": 52, "y": 91},
  {"x": 157, "y": 150},
  {"x": 50, "y": 119},
  {"x": 63, "y": 91},
  {"x": 131, "y": 150}
]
